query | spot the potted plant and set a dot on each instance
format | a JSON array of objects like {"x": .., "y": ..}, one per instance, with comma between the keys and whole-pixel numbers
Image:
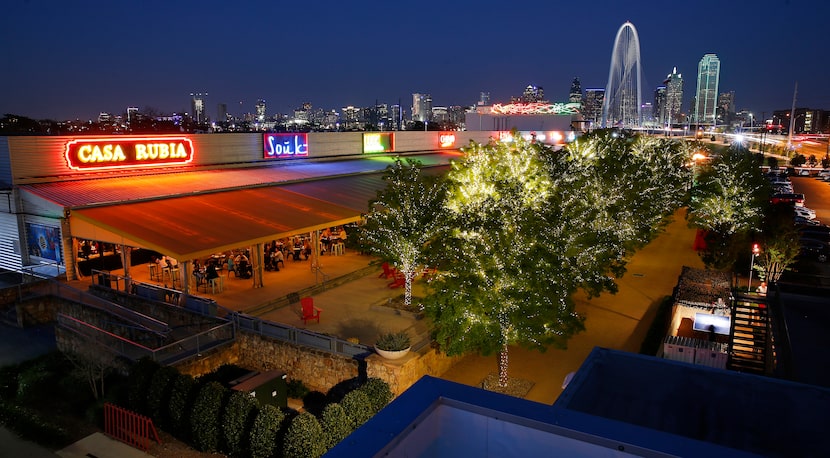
[{"x": 393, "y": 345}]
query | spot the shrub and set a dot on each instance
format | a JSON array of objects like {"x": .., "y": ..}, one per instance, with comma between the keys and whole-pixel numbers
[
  {"x": 158, "y": 395},
  {"x": 304, "y": 437},
  {"x": 315, "y": 402},
  {"x": 378, "y": 393},
  {"x": 141, "y": 373},
  {"x": 224, "y": 374},
  {"x": 358, "y": 408},
  {"x": 8, "y": 381},
  {"x": 264, "y": 431},
  {"x": 337, "y": 392},
  {"x": 181, "y": 401},
  {"x": 336, "y": 424},
  {"x": 32, "y": 426},
  {"x": 296, "y": 389},
  {"x": 38, "y": 378},
  {"x": 393, "y": 341},
  {"x": 205, "y": 416},
  {"x": 239, "y": 414}
]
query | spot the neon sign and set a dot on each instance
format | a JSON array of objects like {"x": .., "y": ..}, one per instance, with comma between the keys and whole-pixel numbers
[
  {"x": 446, "y": 140},
  {"x": 378, "y": 142},
  {"x": 536, "y": 108},
  {"x": 126, "y": 152},
  {"x": 284, "y": 145}
]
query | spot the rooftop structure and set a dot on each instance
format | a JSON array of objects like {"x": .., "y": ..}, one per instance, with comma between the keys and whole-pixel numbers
[{"x": 617, "y": 404}]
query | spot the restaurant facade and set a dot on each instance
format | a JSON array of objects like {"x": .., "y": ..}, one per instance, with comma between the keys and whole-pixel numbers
[{"x": 190, "y": 196}]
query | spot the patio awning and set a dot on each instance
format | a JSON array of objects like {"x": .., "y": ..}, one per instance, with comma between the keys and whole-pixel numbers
[{"x": 196, "y": 226}]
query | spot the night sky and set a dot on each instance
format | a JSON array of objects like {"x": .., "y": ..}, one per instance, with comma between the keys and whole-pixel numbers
[{"x": 73, "y": 59}]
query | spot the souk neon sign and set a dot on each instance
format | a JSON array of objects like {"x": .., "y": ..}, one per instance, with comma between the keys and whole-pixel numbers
[
  {"x": 284, "y": 145},
  {"x": 127, "y": 152}
]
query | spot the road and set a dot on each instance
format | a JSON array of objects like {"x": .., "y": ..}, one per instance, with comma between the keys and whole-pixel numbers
[{"x": 817, "y": 195}]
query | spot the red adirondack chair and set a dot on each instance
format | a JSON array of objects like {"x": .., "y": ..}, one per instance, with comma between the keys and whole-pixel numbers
[
  {"x": 388, "y": 271},
  {"x": 310, "y": 312},
  {"x": 399, "y": 279}
]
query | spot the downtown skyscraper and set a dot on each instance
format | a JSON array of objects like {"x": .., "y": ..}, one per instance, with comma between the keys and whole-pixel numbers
[
  {"x": 674, "y": 97},
  {"x": 706, "y": 97}
]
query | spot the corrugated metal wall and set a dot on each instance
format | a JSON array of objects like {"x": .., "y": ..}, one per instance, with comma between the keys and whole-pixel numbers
[
  {"x": 42, "y": 159},
  {"x": 5, "y": 164},
  {"x": 10, "y": 256}
]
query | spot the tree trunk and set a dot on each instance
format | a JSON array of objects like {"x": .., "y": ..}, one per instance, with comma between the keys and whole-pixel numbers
[
  {"x": 407, "y": 292},
  {"x": 503, "y": 367}
]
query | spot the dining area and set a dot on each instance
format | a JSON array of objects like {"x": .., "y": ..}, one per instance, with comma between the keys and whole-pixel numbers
[{"x": 260, "y": 264}]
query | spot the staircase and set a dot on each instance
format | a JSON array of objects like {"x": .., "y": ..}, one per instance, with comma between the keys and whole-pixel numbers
[{"x": 751, "y": 340}]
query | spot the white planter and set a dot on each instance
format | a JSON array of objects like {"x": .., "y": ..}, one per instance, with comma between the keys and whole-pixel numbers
[{"x": 392, "y": 354}]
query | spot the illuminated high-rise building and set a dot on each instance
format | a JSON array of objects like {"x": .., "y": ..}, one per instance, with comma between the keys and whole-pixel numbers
[
  {"x": 533, "y": 94},
  {"x": 260, "y": 110},
  {"x": 674, "y": 97},
  {"x": 197, "y": 107},
  {"x": 351, "y": 118},
  {"x": 592, "y": 108},
  {"x": 131, "y": 114},
  {"x": 575, "y": 95},
  {"x": 421, "y": 107},
  {"x": 706, "y": 97},
  {"x": 396, "y": 115},
  {"x": 484, "y": 99},
  {"x": 222, "y": 112},
  {"x": 726, "y": 107},
  {"x": 660, "y": 112}
]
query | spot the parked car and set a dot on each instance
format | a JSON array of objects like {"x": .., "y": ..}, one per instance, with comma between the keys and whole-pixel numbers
[
  {"x": 802, "y": 221},
  {"x": 814, "y": 249},
  {"x": 788, "y": 198},
  {"x": 816, "y": 232},
  {"x": 804, "y": 212}
]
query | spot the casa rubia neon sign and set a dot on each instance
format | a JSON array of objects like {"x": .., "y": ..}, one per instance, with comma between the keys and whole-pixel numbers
[
  {"x": 284, "y": 145},
  {"x": 127, "y": 152}
]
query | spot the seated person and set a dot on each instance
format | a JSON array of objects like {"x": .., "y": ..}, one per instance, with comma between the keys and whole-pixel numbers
[
  {"x": 306, "y": 249},
  {"x": 210, "y": 271},
  {"x": 244, "y": 269},
  {"x": 276, "y": 258},
  {"x": 198, "y": 272}
]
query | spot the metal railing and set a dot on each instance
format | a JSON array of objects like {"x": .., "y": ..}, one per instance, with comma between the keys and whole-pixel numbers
[
  {"x": 180, "y": 350},
  {"x": 292, "y": 335}
]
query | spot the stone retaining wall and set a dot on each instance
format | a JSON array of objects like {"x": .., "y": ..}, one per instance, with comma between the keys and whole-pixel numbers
[
  {"x": 402, "y": 373},
  {"x": 319, "y": 370}
]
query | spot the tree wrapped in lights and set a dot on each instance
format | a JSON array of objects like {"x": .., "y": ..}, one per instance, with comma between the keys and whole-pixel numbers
[
  {"x": 779, "y": 244},
  {"x": 404, "y": 218},
  {"x": 531, "y": 226},
  {"x": 728, "y": 202},
  {"x": 500, "y": 282}
]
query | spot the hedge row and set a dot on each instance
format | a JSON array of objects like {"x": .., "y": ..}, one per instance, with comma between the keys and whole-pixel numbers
[{"x": 214, "y": 418}]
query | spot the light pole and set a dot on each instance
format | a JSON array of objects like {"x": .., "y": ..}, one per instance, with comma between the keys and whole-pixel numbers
[{"x": 755, "y": 250}]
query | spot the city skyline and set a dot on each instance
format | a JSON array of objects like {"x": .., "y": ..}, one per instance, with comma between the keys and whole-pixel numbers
[{"x": 69, "y": 61}]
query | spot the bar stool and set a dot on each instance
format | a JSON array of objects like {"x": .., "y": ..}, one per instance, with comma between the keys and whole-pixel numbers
[
  {"x": 217, "y": 283},
  {"x": 154, "y": 272}
]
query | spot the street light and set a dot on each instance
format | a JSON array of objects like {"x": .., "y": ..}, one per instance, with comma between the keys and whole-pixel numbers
[{"x": 755, "y": 250}]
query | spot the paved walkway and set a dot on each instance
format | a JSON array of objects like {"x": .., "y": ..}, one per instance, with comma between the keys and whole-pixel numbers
[{"x": 618, "y": 321}]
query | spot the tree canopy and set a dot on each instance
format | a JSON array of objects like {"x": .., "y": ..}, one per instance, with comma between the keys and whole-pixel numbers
[
  {"x": 531, "y": 225},
  {"x": 405, "y": 217}
]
